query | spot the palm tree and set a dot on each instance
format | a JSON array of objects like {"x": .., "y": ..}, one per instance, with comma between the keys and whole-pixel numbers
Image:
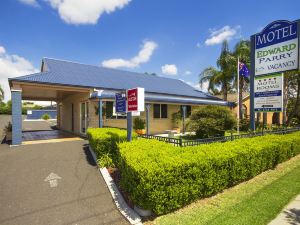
[
  {"x": 241, "y": 51},
  {"x": 222, "y": 77},
  {"x": 1, "y": 94}
]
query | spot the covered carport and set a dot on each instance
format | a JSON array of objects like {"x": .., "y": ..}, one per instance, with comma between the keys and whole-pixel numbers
[{"x": 38, "y": 92}]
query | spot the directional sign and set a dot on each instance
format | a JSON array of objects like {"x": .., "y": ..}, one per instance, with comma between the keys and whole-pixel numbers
[
  {"x": 52, "y": 179},
  {"x": 120, "y": 103},
  {"x": 277, "y": 48},
  {"x": 268, "y": 93}
]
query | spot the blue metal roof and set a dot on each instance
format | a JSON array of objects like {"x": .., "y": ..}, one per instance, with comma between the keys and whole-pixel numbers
[{"x": 61, "y": 72}]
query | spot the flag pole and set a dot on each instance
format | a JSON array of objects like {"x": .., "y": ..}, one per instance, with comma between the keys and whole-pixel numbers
[{"x": 238, "y": 97}]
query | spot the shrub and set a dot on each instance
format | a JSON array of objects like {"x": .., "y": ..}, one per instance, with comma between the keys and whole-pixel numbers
[
  {"x": 8, "y": 128},
  {"x": 46, "y": 116},
  {"x": 139, "y": 124},
  {"x": 104, "y": 143},
  {"x": 208, "y": 121},
  {"x": 244, "y": 124},
  {"x": 161, "y": 177}
]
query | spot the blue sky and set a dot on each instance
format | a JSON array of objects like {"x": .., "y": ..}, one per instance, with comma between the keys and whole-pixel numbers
[{"x": 172, "y": 38}]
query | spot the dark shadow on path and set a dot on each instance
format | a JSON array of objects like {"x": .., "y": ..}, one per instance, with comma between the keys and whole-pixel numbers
[
  {"x": 293, "y": 216},
  {"x": 88, "y": 155}
]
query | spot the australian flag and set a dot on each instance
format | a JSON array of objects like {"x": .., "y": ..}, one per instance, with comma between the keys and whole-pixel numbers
[{"x": 243, "y": 70}]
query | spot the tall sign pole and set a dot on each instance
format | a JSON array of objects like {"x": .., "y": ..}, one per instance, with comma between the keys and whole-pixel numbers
[
  {"x": 273, "y": 51},
  {"x": 252, "y": 75},
  {"x": 238, "y": 97}
]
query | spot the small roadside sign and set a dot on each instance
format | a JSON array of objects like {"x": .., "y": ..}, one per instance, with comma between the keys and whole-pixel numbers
[
  {"x": 120, "y": 103},
  {"x": 135, "y": 99}
]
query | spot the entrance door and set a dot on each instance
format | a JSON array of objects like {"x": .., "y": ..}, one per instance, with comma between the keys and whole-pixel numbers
[{"x": 84, "y": 111}]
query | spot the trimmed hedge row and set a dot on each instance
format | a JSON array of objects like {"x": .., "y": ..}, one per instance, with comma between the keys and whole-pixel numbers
[
  {"x": 104, "y": 143},
  {"x": 162, "y": 178}
]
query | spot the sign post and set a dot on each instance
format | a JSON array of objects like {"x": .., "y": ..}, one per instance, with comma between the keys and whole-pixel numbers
[{"x": 273, "y": 51}]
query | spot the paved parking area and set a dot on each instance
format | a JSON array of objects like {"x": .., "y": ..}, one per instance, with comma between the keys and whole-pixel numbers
[{"x": 74, "y": 193}]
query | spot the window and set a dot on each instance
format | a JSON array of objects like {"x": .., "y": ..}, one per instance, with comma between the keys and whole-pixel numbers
[
  {"x": 156, "y": 110},
  {"x": 160, "y": 111},
  {"x": 188, "y": 111},
  {"x": 110, "y": 111}
]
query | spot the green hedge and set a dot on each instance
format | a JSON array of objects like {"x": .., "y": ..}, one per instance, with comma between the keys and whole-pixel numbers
[
  {"x": 104, "y": 143},
  {"x": 162, "y": 178}
]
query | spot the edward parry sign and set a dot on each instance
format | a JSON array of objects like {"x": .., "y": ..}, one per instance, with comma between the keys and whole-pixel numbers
[{"x": 277, "y": 48}]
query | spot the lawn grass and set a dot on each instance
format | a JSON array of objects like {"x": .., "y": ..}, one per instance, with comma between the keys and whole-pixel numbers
[{"x": 254, "y": 202}]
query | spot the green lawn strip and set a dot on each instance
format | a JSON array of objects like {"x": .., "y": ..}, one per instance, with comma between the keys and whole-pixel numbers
[
  {"x": 264, "y": 205},
  {"x": 263, "y": 196}
]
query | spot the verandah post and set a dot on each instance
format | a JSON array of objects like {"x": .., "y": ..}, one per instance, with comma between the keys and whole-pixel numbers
[
  {"x": 100, "y": 113},
  {"x": 16, "y": 98},
  {"x": 147, "y": 118},
  {"x": 129, "y": 126}
]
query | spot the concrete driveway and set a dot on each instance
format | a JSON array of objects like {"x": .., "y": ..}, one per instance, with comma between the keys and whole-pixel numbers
[{"x": 77, "y": 194}]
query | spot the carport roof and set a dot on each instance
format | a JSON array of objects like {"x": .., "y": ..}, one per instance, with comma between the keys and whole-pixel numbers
[{"x": 59, "y": 72}]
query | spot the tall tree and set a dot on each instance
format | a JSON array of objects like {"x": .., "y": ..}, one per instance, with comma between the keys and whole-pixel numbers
[
  {"x": 1, "y": 94},
  {"x": 222, "y": 76},
  {"x": 292, "y": 95},
  {"x": 242, "y": 52}
]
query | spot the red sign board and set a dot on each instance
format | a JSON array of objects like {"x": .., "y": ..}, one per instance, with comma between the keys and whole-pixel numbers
[{"x": 132, "y": 100}]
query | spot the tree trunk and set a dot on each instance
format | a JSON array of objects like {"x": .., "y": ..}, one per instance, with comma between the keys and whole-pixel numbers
[
  {"x": 285, "y": 99},
  {"x": 225, "y": 92}
]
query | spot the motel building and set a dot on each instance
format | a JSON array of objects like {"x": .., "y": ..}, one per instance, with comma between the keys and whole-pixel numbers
[{"x": 80, "y": 89}]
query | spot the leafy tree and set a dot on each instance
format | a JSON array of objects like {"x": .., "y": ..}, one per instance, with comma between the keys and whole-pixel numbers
[
  {"x": 210, "y": 120},
  {"x": 292, "y": 95},
  {"x": 241, "y": 52},
  {"x": 153, "y": 74},
  {"x": 223, "y": 76}
]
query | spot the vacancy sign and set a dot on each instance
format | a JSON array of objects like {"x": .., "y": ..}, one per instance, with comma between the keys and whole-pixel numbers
[
  {"x": 135, "y": 100},
  {"x": 268, "y": 93},
  {"x": 277, "y": 48}
]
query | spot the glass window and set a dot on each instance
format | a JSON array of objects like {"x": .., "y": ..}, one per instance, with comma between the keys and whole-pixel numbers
[
  {"x": 164, "y": 111},
  {"x": 109, "y": 109},
  {"x": 156, "y": 110},
  {"x": 111, "y": 112},
  {"x": 188, "y": 111},
  {"x": 160, "y": 111}
]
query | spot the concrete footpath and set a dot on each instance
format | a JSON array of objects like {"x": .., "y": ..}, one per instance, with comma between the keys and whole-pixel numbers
[{"x": 290, "y": 215}]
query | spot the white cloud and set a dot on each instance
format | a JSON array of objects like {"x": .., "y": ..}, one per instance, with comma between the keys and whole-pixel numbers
[
  {"x": 187, "y": 72},
  {"x": 12, "y": 66},
  {"x": 197, "y": 85},
  {"x": 30, "y": 2},
  {"x": 198, "y": 45},
  {"x": 2, "y": 50},
  {"x": 143, "y": 56},
  {"x": 169, "y": 69},
  {"x": 225, "y": 33},
  {"x": 85, "y": 11}
]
